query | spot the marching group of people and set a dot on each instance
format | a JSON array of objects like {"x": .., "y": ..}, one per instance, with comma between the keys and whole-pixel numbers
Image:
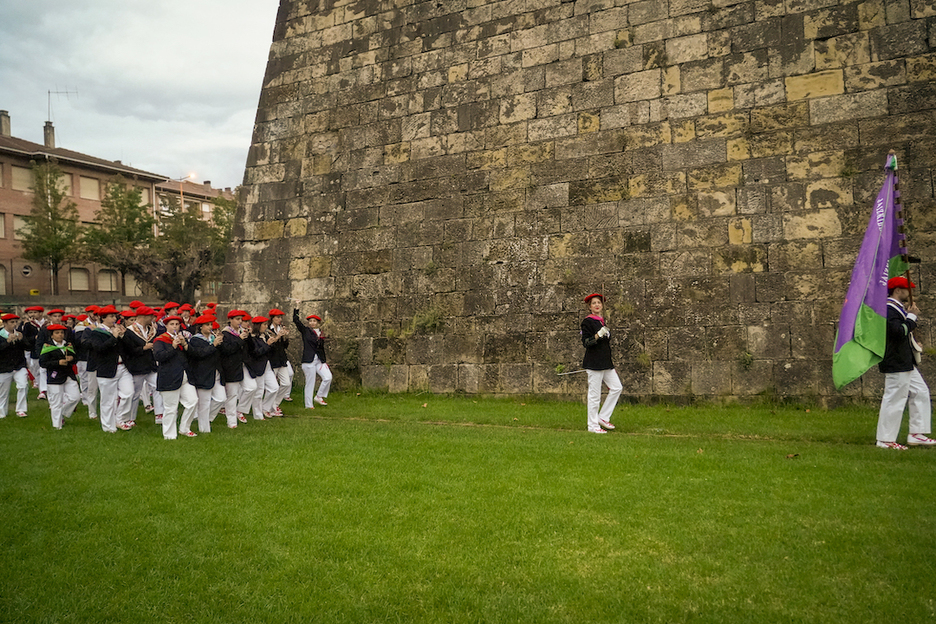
[{"x": 112, "y": 360}]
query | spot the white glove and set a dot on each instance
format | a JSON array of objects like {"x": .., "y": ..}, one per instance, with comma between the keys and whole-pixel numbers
[{"x": 603, "y": 332}]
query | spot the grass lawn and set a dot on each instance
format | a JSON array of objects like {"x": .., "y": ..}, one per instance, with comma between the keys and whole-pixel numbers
[{"x": 406, "y": 508}]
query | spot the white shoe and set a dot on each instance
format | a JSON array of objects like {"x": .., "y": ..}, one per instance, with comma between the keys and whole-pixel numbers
[
  {"x": 918, "y": 439},
  {"x": 891, "y": 445},
  {"x": 598, "y": 431},
  {"x": 605, "y": 424},
  {"x": 320, "y": 401}
]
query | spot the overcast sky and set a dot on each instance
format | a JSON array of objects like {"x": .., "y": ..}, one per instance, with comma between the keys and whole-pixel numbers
[{"x": 167, "y": 86}]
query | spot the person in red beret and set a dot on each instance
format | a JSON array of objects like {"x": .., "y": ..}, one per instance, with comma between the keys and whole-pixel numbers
[
  {"x": 87, "y": 378},
  {"x": 596, "y": 338},
  {"x": 205, "y": 371},
  {"x": 172, "y": 382},
  {"x": 233, "y": 349},
  {"x": 57, "y": 357},
  {"x": 279, "y": 361},
  {"x": 115, "y": 383},
  {"x": 313, "y": 357},
  {"x": 257, "y": 363},
  {"x": 30, "y": 327},
  {"x": 12, "y": 366},
  {"x": 53, "y": 317},
  {"x": 903, "y": 382},
  {"x": 139, "y": 360}
]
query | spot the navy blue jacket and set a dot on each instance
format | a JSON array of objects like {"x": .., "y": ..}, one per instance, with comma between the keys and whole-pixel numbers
[
  {"x": 898, "y": 354},
  {"x": 312, "y": 344}
]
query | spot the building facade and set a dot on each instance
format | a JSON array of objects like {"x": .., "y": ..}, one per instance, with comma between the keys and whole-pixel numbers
[{"x": 85, "y": 180}]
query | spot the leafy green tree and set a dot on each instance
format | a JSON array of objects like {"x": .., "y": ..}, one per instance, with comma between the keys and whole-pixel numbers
[
  {"x": 51, "y": 233},
  {"x": 187, "y": 252},
  {"x": 122, "y": 234}
]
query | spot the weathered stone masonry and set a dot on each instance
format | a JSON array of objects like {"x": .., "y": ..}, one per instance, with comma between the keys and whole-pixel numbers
[{"x": 445, "y": 181}]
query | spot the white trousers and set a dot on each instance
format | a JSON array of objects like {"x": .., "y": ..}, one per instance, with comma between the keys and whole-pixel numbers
[
  {"x": 89, "y": 388},
  {"x": 147, "y": 394},
  {"x": 595, "y": 379},
  {"x": 210, "y": 401},
  {"x": 232, "y": 392},
  {"x": 33, "y": 366},
  {"x": 21, "y": 378},
  {"x": 141, "y": 384},
  {"x": 267, "y": 391},
  {"x": 116, "y": 393},
  {"x": 247, "y": 394},
  {"x": 43, "y": 379},
  {"x": 188, "y": 397},
  {"x": 63, "y": 398},
  {"x": 902, "y": 389},
  {"x": 284, "y": 377},
  {"x": 310, "y": 370}
]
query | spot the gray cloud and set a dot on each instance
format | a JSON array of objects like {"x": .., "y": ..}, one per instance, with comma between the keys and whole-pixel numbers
[{"x": 169, "y": 86}]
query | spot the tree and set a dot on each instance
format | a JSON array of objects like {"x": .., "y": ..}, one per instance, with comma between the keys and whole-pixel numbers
[
  {"x": 50, "y": 235},
  {"x": 122, "y": 234},
  {"x": 186, "y": 252}
]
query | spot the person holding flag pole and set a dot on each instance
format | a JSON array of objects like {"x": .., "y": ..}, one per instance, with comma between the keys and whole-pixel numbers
[{"x": 875, "y": 326}]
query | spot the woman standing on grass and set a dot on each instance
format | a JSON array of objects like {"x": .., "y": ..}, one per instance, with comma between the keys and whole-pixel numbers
[
  {"x": 313, "y": 358},
  {"x": 596, "y": 338}
]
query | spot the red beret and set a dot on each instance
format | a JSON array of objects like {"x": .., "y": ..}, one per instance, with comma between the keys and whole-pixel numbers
[
  {"x": 236, "y": 313},
  {"x": 56, "y": 311},
  {"x": 172, "y": 318},
  {"x": 259, "y": 319},
  {"x": 900, "y": 282},
  {"x": 592, "y": 296},
  {"x": 35, "y": 309},
  {"x": 312, "y": 316},
  {"x": 145, "y": 311},
  {"x": 204, "y": 318},
  {"x": 170, "y": 305},
  {"x": 55, "y": 326},
  {"x": 276, "y": 312},
  {"x": 81, "y": 318},
  {"x": 136, "y": 304},
  {"x": 8, "y": 317},
  {"x": 127, "y": 313},
  {"x": 92, "y": 308},
  {"x": 108, "y": 309}
]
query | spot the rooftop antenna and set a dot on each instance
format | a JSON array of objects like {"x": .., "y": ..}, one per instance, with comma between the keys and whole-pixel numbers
[{"x": 67, "y": 93}]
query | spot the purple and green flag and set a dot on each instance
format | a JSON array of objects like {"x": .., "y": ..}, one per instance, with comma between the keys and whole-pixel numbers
[{"x": 862, "y": 331}]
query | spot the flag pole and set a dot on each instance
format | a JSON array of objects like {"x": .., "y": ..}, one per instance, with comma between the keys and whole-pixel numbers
[{"x": 901, "y": 214}]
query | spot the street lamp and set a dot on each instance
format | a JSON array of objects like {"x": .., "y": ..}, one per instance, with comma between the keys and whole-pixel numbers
[{"x": 190, "y": 176}]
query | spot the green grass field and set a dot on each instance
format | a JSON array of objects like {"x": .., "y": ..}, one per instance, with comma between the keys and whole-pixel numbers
[{"x": 405, "y": 508}]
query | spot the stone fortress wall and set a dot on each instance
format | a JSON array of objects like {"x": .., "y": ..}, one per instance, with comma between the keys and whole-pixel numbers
[{"x": 444, "y": 181}]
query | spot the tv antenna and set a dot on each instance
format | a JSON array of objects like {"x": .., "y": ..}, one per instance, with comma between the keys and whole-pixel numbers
[{"x": 67, "y": 93}]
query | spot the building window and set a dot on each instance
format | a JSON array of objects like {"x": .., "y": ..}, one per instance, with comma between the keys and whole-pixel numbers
[
  {"x": 2, "y": 225},
  {"x": 107, "y": 281},
  {"x": 90, "y": 188},
  {"x": 65, "y": 184},
  {"x": 144, "y": 196},
  {"x": 132, "y": 287},
  {"x": 3, "y": 272},
  {"x": 79, "y": 279},
  {"x": 1, "y": 175},
  {"x": 18, "y": 224},
  {"x": 22, "y": 178}
]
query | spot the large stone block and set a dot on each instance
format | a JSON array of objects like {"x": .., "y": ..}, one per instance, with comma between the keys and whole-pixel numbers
[
  {"x": 819, "y": 84},
  {"x": 642, "y": 85}
]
